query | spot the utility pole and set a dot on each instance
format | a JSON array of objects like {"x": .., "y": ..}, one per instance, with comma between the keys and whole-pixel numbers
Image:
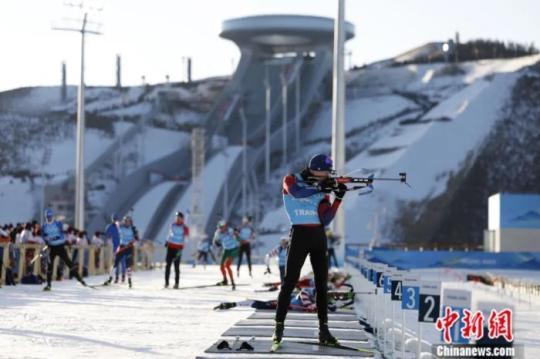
[
  {"x": 284, "y": 105},
  {"x": 456, "y": 48},
  {"x": 267, "y": 127},
  {"x": 297, "y": 113},
  {"x": 338, "y": 118},
  {"x": 197, "y": 166},
  {"x": 85, "y": 28},
  {"x": 244, "y": 161}
]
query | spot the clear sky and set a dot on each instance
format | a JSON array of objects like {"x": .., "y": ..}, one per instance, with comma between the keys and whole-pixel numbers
[{"x": 153, "y": 35}]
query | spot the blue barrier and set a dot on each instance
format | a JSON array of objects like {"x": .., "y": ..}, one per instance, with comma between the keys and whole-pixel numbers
[{"x": 454, "y": 259}]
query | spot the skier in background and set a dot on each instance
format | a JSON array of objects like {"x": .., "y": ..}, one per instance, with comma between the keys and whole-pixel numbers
[
  {"x": 226, "y": 238},
  {"x": 53, "y": 235},
  {"x": 307, "y": 203},
  {"x": 333, "y": 241},
  {"x": 281, "y": 253},
  {"x": 127, "y": 237},
  {"x": 111, "y": 231},
  {"x": 203, "y": 248},
  {"x": 176, "y": 239},
  {"x": 246, "y": 235}
]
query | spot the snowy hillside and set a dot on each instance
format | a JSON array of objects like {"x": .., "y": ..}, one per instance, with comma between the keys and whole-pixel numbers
[
  {"x": 430, "y": 121},
  {"x": 143, "y": 123}
]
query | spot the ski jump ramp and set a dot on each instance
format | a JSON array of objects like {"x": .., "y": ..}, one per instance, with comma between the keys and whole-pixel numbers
[{"x": 274, "y": 48}]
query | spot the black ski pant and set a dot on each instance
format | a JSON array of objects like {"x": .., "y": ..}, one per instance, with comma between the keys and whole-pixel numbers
[
  {"x": 244, "y": 248},
  {"x": 61, "y": 253},
  {"x": 305, "y": 240},
  {"x": 173, "y": 256}
]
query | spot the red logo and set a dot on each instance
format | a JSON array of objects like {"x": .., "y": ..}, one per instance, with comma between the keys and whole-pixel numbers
[
  {"x": 499, "y": 324},
  {"x": 446, "y": 322},
  {"x": 474, "y": 325}
]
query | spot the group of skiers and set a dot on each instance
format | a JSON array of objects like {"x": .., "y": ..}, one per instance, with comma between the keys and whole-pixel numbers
[
  {"x": 123, "y": 235},
  {"x": 307, "y": 201}
]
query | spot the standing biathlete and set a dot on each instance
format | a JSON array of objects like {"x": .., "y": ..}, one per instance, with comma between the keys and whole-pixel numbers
[
  {"x": 127, "y": 237},
  {"x": 176, "y": 239},
  {"x": 226, "y": 238},
  {"x": 246, "y": 234},
  {"x": 111, "y": 231},
  {"x": 307, "y": 202},
  {"x": 281, "y": 253},
  {"x": 203, "y": 248},
  {"x": 53, "y": 235}
]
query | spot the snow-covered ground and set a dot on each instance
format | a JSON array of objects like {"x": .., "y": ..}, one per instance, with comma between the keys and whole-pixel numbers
[{"x": 145, "y": 322}]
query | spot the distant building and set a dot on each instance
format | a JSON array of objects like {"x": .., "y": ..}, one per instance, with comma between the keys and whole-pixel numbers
[{"x": 513, "y": 223}]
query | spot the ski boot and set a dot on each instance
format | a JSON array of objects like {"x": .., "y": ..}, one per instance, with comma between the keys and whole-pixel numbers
[
  {"x": 123, "y": 278},
  {"x": 224, "y": 345},
  {"x": 277, "y": 337},
  {"x": 130, "y": 284},
  {"x": 222, "y": 283},
  {"x": 47, "y": 288},
  {"x": 325, "y": 338},
  {"x": 245, "y": 346},
  {"x": 176, "y": 286},
  {"x": 233, "y": 286},
  {"x": 108, "y": 281},
  {"x": 225, "y": 305},
  {"x": 250, "y": 275},
  {"x": 116, "y": 280}
]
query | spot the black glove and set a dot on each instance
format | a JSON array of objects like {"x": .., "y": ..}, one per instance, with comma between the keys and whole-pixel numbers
[
  {"x": 340, "y": 191},
  {"x": 327, "y": 185}
]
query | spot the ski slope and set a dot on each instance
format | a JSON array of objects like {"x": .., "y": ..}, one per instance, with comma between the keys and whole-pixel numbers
[
  {"x": 148, "y": 204},
  {"x": 429, "y": 120},
  {"x": 213, "y": 178},
  {"x": 145, "y": 322}
]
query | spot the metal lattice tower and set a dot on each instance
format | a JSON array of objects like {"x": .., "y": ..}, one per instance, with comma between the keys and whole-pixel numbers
[{"x": 197, "y": 166}]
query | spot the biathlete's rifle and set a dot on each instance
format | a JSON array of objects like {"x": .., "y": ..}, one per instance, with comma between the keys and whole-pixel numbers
[{"x": 332, "y": 183}]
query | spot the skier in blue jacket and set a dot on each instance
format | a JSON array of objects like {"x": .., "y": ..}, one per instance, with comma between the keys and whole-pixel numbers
[
  {"x": 127, "y": 235},
  {"x": 281, "y": 253},
  {"x": 176, "y": 239},
  {"x": 306, "y": 197},
  {"x": 226, "y": 238},
  {"x": 246, "y": 235},
  {"x": 111, "y": 231},
  {"x": 53, "y": 235}
]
